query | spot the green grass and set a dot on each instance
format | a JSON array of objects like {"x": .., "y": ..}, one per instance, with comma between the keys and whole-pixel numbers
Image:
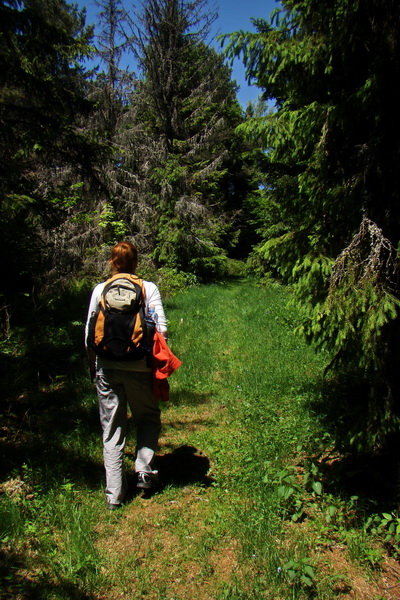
[
  {"x": 261, "y": 377},
  {"x": 245, "y": 512}
]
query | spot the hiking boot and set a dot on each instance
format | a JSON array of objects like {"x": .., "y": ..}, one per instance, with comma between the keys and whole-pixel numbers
[
  {"x": 147, "y": 481},
  {"x": 111, "y": 506}
]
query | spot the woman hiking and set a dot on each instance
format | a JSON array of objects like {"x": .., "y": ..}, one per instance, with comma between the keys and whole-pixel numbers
[{"x": 120, "y": 383}]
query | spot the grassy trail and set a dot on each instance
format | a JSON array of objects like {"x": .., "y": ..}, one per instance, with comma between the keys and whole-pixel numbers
[{"x": 241, "y": 513}]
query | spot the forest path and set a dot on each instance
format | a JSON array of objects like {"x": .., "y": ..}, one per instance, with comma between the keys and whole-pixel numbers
[
  {"x": 240, "y": 410},
  {"x": 242, "y": 374},
  {"x": 244, "y": 510}
]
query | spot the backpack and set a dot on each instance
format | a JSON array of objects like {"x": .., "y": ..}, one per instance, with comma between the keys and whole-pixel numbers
[{"x": 118, "y": 329}]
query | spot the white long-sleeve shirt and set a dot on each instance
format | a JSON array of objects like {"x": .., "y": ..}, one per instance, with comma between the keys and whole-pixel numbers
[{"x": 152, "y": 298}]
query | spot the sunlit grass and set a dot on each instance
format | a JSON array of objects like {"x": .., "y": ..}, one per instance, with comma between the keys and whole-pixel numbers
[{"x": 238, "y": 418}]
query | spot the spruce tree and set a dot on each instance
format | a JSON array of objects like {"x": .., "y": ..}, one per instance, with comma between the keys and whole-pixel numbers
[
  {"x": 181, "y": 127},
  {"x": 42, "y": 99},
  {"x": 331, "y": 216}
]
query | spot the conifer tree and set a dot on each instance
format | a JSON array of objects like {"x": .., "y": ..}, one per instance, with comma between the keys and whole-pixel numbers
[
  {"x": 331, "y": 215},
  {"x": 113, "y": 82},
  {"x": 181, "y": 129},
  {"x": 42, "y": 99}
]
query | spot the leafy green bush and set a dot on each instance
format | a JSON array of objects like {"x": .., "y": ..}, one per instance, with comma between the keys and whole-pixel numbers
[
  {"x": 209, "y": 268},
  {"x": 170, "y": 281}
]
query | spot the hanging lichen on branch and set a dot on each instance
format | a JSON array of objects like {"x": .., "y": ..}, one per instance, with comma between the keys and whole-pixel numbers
[
  {"x": 361, "y": 300},
  {"x": 369, "y": 256}
]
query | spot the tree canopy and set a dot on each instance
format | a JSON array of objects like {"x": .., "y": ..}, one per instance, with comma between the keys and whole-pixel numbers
[
  {"x": 307, "y": 190},
  {"x": 332, "y": 146},
  {"x": 42, "y": 99},
  {"x": 89, "y": 157}
]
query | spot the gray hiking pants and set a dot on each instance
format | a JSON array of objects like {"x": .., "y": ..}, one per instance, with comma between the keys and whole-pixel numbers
[{"x": 116, "y": 389}]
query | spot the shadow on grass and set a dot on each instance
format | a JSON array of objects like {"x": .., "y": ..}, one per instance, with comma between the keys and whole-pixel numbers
[
  {"x": 44, "y": 436},
  {"x": 373, "y": 476},
  {"x": 186, "y": 465},
  {"x": 187, "y": 397},
  {"x": 37, "y": 588},
  {"x": 183, "y": 466},
  {"x": 48, "y": 427}
]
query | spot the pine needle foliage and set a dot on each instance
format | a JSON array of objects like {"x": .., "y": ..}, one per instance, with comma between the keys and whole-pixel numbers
[
  {"x": 44, "y": 147},
  {"x": 180, "y": 141},
  {"x": 330, "y": 223}
]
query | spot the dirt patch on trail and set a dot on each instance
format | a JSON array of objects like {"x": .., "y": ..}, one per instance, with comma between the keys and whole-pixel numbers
[
  {"x": 171, "y": 545},
  {"x": 352, "y": 583}
]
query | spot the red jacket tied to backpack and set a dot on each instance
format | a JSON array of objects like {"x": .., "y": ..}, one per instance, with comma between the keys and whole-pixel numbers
[{"x": 164, "y": 364}]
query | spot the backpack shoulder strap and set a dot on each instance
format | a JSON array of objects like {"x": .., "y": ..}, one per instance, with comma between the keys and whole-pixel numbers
[{"x": 129, "y": 276}]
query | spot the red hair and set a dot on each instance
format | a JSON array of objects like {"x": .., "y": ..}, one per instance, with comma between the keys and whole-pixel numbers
[{"x": 123, "y": 258}]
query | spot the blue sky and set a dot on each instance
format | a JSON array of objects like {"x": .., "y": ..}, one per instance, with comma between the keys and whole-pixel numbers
[{"x": 233, "y": 15}]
